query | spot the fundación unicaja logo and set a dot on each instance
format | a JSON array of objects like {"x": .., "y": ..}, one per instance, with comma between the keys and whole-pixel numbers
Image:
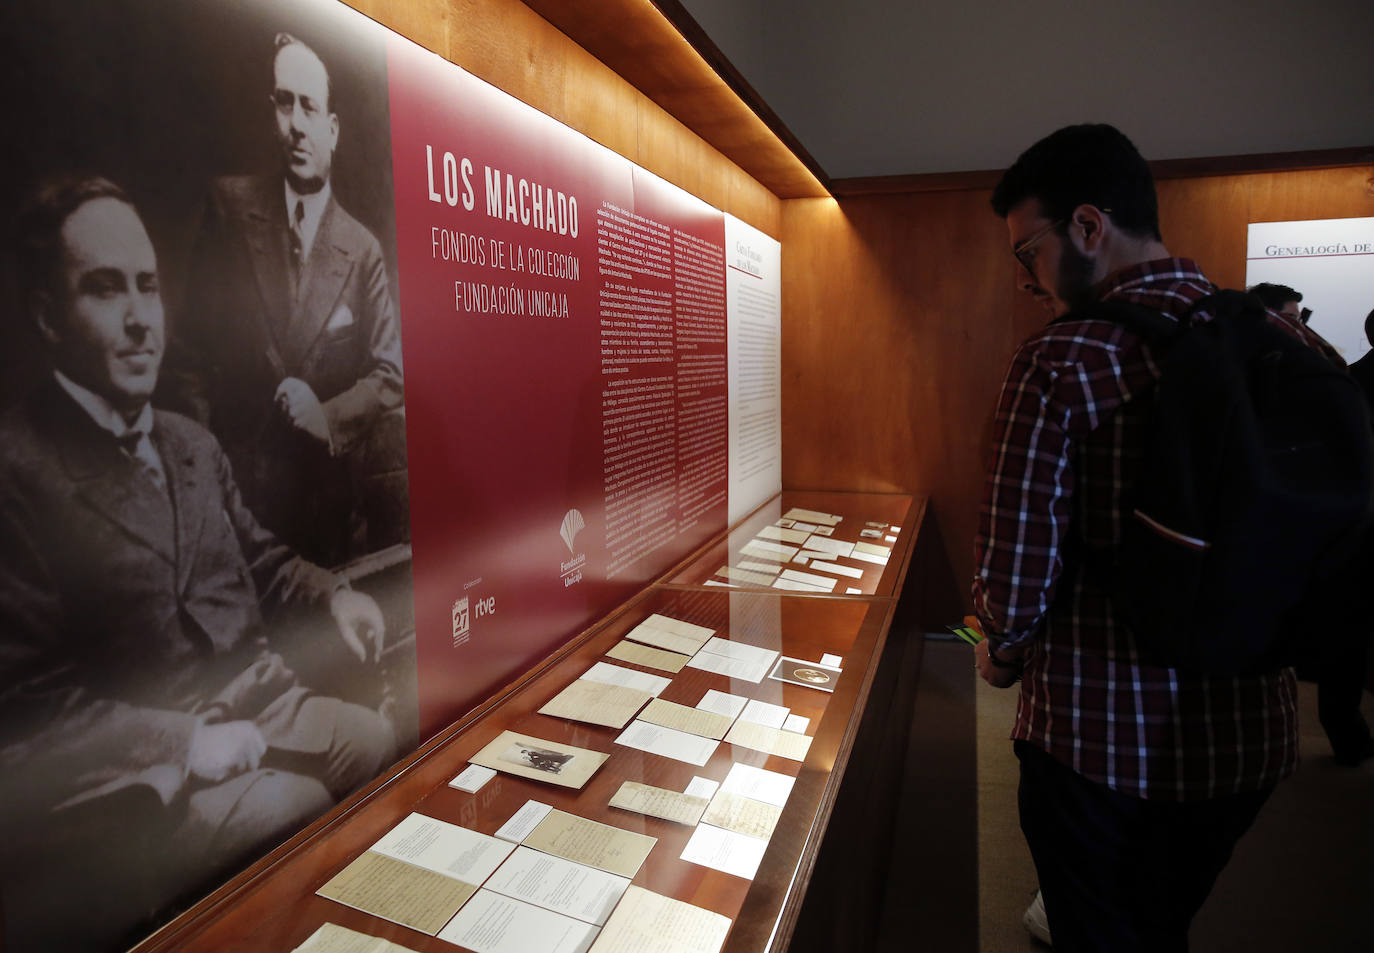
[{"x": 571, "y": 570}]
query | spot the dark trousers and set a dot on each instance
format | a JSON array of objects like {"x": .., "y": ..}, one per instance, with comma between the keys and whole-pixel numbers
[
  {"x": 1122, "y": 874},
  {"x": 1340, "y": 687}
]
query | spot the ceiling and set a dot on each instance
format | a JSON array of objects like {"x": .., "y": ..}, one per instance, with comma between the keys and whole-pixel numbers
[{"x": 881, "y": 87}]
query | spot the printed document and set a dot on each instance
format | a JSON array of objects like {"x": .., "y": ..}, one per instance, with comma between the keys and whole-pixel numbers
[
  {"x": 720, "y": 849},
  {"x": 619, "y": 675},
  {"x": 668, "y": 743},
  {"x": 491, "y": 923},
  {"x": 572, "y": 889}
]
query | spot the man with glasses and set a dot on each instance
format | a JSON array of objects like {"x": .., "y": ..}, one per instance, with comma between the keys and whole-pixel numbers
[
  {"x": 1136, "y": 780},
  {"x": 290, "y": 347}
]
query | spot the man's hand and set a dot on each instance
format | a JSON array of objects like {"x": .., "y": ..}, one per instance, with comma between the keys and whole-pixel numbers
[
  {"x": 360, "y": 623},
  {"x": 220, "y": 752},
  {"x": 998, "y": 676},
  {"x": 300, "y": 405}
]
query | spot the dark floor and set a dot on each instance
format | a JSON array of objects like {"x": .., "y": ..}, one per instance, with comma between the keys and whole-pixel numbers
[{"x": 1301, "y": 879}]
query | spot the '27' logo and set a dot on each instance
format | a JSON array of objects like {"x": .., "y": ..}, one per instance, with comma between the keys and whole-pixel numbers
[{"x": 462, "y": 623}]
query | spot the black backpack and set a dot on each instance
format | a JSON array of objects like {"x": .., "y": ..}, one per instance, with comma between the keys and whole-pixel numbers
[{"x": 1254, "y": 494}]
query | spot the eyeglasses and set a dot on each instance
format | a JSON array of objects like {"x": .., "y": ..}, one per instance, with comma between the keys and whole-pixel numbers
[{"x": 1024, "y": 251}]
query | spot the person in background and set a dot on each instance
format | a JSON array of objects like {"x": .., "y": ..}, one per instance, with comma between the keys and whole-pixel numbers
[
  {"x": 151, "y": 743},
  {"x": 1282, "y": 299},
  {"x": 1136, "y": 780}
]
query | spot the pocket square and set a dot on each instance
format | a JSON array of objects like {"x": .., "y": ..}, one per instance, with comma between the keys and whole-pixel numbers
[{"x": 341, "y": 318}]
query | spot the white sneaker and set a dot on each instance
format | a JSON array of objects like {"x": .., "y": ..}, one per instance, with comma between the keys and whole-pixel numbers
[{"x": 1035, "y": 921}]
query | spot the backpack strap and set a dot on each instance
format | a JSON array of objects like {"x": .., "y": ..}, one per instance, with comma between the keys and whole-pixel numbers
[
  {"x": 1155, "y": 328},
  {"x": 1228, "y": 302}
]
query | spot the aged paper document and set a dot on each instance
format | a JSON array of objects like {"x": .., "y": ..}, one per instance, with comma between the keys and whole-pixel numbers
[
  {"x": 784, "y": 744},
  {"x": 743, "y": 815},
  {"x": 602, "y": 846},
  {"x": 746, "y": 575},
  {"x": 596, "y": 703},
  {"x": 768, "y": 550},
  {"x": 636, "y": 654},
  {"x": 659, "y": 802},
  {"x": 491, "y": 923},
  {"x": 529, "y": 757},
  {"x": 694, "y": 721},
  {"x": 811, "y": 516},
  {"x": 332, "y": 938},
  {"x": 873, "y": 549},
  {"x": 574, "y": 890},
  {"x": 399, "y": 892},
  {"x": 784, "y": 535},
  {"x": 769, "y": 568},
  {"x": 647, "y": 922},
  {"x": 663, "y": 639},
  {"x": 668, "y": 624}
]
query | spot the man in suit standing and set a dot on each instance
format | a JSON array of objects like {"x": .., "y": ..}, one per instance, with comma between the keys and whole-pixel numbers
[
  {"x": 291, "y": 348},
  {"x": 150, "y": 741}
]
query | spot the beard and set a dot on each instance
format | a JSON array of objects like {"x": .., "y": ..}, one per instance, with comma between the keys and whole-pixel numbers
[{"x": 1074, "y": 284}]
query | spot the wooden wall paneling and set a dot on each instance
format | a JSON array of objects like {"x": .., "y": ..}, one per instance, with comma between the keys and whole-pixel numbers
[
  {"x": 599, "y": 104},
  {"x": 1328, "y": 193},
  {"x": 667, "y": 149},
  {"x": 514, "y": 49},
  {"x": 424, "y": 21},
  {"x": 1204, "y": 219},
  {"x": 901, "y": 315},
  {"x": 752, "y": 203}
]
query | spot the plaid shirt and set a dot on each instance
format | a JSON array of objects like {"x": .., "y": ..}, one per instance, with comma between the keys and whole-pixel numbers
[{"x": 1067, "y": 437}]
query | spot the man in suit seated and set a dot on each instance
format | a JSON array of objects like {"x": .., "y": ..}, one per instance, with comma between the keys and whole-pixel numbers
[
  {"x": 151, "y": 743},
  {"x": 288, "y": 347}
]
